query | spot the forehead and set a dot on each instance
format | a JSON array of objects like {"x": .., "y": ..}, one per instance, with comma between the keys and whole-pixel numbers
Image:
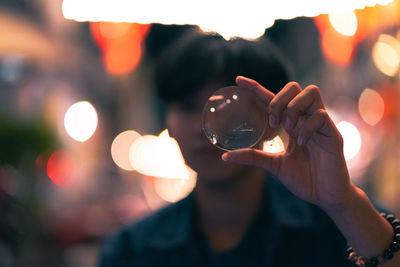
[{"x": 201, "y": 96}]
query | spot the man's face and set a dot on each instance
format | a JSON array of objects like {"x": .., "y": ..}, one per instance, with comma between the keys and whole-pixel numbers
[{"x": 185, "y": 125}]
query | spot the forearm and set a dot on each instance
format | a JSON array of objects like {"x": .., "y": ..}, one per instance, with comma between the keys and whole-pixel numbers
[{"x": 363, "y": 227}]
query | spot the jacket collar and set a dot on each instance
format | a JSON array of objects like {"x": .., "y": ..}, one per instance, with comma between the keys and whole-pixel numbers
[
  {"x": 176, "y": 228},
  {"x": 286, "y": 209},
  {"x": 173, "y": 226}
]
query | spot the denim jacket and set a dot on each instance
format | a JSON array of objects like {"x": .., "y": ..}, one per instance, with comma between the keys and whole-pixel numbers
[{"x": 286, "y": 232}]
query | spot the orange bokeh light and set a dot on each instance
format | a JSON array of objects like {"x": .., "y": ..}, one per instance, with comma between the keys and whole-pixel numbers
[
  {"x": 389, "y": 93},
  {"x": 337, "y": 47},
  {"x": 122, "y": 56},
  {"x": 120, "y": 44}
]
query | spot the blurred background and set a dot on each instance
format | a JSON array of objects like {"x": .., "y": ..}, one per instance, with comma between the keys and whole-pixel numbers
[{"x": 83, "y": 149}]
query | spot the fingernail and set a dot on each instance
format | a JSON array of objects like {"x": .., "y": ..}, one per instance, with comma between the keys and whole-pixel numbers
[
  {"x": 272, "y": 120},
  {"x": 288, "y": 123},
  {"x": 224, "y": 156}
]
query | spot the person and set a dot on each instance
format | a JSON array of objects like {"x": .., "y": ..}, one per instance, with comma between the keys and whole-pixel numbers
[{"x": 251, "y": 208}]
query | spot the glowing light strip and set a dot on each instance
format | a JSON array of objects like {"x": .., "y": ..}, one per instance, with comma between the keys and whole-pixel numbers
[{"x": 234, "y": 17}]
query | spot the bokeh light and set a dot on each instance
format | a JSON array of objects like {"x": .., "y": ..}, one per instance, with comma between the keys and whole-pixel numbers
[
  {"x": 344, "y": 23},
  {"x": 141, "y": 153},
  {"x": 232, "y": 26},
  {"x": 248, "y": 21},
  {"x": 351, "y": 139},
  {"x": 337, "y": 47},
  {"x": 113, "y": 30},
  {"x": 120, "y": 149},
  {"x": 173, "y": 190},
  {"x": 371, "y": 106},
  {"x": 158, "y": 156},
  {"x": 80, "y": 121},
  {"x": 122, "y": 55},
  {"x": 120, "y": 44},
  {"x": 274, "y": 146},
  {"x": 386, "y": 54},
  {"x": 61, "y": 168}
]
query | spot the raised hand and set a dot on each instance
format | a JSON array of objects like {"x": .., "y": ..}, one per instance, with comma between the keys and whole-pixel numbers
[{"x": 313, "y": 166}]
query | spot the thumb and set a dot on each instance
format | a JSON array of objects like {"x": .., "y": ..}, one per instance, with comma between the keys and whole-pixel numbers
[{"x": 254, "y": 157}]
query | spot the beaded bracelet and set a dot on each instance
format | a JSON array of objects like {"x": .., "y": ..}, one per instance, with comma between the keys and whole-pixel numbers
[{"x": 387, "y": 254}]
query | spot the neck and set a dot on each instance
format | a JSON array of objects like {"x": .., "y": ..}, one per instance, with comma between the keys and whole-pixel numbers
[{"x": 226, "y": 209}]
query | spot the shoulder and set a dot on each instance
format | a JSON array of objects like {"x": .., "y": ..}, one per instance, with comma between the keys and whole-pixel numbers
[
  {"x": 165, "y": 223},
  {"x": 159, "y": 229}
]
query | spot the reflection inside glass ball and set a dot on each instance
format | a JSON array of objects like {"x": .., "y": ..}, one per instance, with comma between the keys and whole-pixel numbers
[{"x": 234, "y": 118}]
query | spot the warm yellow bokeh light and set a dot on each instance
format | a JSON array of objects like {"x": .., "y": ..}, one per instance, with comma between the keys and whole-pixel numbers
[
  {"x": 274, "y": 146},
  {"x": 158, "y": 156},
  {"x": 351, "y": 139},
  {"x": 344, "y": 23},
  {"x": 80, "y": 121},
  {"x": 140, "y": 153},
  {"x": 120, "y": 148},
  {"x": 228, "y": 18},
  {"x": 371, "y": 106},
  {"x": 173, "y": 190},
  {"x": 386, "y": 54}
]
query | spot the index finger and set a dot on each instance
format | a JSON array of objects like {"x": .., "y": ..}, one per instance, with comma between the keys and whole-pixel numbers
[{"x": 257, "y": 88}]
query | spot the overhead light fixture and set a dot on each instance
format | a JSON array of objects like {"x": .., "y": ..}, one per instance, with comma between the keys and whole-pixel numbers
[{"x": 229, "y": 18}]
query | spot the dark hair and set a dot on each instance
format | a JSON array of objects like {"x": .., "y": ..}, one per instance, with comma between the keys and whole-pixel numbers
[{"x": 198, "y": 58}]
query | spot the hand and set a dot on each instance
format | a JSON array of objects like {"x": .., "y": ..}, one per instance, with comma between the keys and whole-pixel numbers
[{"x": 313, "y": 166}]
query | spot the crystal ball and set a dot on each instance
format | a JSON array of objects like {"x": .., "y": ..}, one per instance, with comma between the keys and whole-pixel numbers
[{"x": 234, "y": 118}]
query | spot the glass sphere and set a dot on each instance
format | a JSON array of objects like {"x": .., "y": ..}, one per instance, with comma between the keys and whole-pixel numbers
[{"x": 234, "y": 118}]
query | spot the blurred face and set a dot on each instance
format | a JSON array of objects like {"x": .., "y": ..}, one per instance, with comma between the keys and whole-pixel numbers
[{"x": 185, "y": 125}]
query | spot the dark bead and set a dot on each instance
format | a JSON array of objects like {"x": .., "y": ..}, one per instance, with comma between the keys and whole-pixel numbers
[
  {"x": 373, "y": 262},
  {"x": 390, "y": 218},
  {"x": 395, "y": 246},
  {"x": 388, "y": 254},
  {"x": 395, "y": 222},
  {"x": 381, "y": 260},
  {"x": 397, "y": 229},
  {"x": 353, "y": 257},
  {"x": 397, "y": 237}
]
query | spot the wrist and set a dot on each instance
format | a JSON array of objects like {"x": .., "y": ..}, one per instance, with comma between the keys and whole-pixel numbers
[
  {"x": 388, "y": 254},
  {"x": 349, "y": 202},
  {"x": 361, "y": 224}
]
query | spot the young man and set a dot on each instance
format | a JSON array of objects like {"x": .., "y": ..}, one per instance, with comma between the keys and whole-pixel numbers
[{"x": 251, "y": 208}]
